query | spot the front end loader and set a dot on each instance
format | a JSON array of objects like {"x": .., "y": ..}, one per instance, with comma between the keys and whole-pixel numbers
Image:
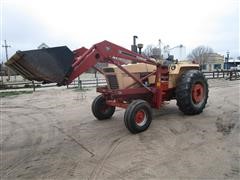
[{"x": 134, "y": 82}]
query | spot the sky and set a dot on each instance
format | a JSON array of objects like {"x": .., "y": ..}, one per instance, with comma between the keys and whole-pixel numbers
[{"x": 25, "y": 24}]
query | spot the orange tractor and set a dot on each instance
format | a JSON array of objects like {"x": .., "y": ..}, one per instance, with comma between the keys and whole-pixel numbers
[{"x": 134, "y": 82}]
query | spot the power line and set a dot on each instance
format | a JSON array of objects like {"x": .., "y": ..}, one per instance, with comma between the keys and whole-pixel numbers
[{"x": 6, "y": 46}]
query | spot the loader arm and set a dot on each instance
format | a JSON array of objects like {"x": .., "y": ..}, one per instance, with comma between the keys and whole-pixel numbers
[
  {"x": 61, "y": 65},
  {"x": 103, "y": 52}
]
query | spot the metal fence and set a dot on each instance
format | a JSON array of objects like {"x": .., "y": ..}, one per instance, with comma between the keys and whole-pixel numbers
[
  {"x": 78, "y": 83},
  {"x": 94, "y": 82},
  {"x": 227, "y": 74}
]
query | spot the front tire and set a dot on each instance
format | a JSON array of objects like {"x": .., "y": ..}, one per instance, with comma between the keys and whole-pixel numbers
[
  {"x": 192, "y": 92},
  {"x": 138, "y": 116},
  {"x": 100, "y": 109}
]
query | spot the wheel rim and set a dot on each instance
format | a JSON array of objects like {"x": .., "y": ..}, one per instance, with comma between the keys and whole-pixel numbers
[
  {"x": 197, "y": 93},
  {"x": 141, "y": 118}
]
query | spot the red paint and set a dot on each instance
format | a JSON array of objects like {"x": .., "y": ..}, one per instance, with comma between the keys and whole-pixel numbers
[
  {"x": 139, "y": 117},
  {"x": 120, "y": 104},
  {"x": 197, "y": 93}
]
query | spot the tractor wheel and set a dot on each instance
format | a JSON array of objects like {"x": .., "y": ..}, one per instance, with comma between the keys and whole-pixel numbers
[
  {"x": 138, "y": 116},
  {"x": 192, "y": 92},
  {"x": 100, "y": 109}
]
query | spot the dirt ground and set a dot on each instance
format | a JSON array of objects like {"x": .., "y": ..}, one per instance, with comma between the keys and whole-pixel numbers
[{"x": 52, "y": 134}]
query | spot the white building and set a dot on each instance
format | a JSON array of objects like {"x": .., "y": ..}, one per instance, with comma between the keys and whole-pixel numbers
[{"x": 213, "y": 62}]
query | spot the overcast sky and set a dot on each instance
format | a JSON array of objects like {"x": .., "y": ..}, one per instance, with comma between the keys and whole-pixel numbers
[{"x": 25, "y": 24}]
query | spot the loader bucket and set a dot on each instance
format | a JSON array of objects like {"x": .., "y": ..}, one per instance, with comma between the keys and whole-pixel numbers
[{"x": 49, "y": 65}]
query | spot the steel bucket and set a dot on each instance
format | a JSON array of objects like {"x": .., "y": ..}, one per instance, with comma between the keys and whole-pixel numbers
[{"x": 49, "y": 65}]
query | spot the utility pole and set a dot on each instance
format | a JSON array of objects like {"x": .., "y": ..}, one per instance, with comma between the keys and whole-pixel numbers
[
  {"x": 160, "y": 49},
  {"x": 6, "y": 51},
  {"x": 227, "y": 59}
]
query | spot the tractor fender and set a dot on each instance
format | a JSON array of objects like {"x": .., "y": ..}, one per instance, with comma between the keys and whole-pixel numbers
[{"x": 176, "y": 70}]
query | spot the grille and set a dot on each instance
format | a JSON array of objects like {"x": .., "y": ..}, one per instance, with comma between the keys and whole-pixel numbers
[
  {"x": 108, "y": 70},
  {"x": 112, "y": 80}
]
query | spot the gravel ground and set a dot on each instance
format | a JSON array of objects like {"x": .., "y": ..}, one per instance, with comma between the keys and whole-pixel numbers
[{"x": 52, "y": 134}]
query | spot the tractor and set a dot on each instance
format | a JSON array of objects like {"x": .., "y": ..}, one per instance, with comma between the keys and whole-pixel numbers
[{"x": 134, "y": 82}]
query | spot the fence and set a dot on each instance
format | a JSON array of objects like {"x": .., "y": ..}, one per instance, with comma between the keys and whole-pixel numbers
[
  {"x": 227, "y": 74},
  {"x": 88, "y": 82},
  {"x": 84, "y": 83}
]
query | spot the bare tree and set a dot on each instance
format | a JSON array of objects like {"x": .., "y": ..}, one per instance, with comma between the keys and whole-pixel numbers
[
  {"x": 200, "y": 54},
  {"x": 152, "y": 51},
  {"x": 148, "y": 51}
]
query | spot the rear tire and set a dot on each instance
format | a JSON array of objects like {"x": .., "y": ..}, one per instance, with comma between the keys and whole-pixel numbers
[
  {"x": 192, "y": 92},
  {"x": 138, "y": 116},
  {"x": 100, "y": 109}
]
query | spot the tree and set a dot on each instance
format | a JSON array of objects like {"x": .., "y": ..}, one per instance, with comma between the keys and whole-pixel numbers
[
  {"x": 200, "y": 54},
  {"x": 152, "y": 51},
  {"x": 148, "y": 51}
]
